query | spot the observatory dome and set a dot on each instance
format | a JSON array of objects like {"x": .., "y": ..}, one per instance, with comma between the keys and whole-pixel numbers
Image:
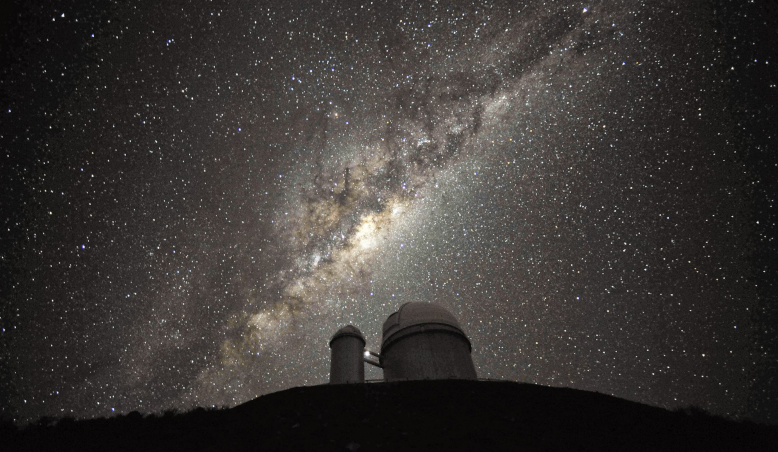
[
  {"x": 425, "y": 341},
  {"x": 346, "y": 366},
  {"x": 348, "y": 330},
  {"x": 414, "y": 314}
]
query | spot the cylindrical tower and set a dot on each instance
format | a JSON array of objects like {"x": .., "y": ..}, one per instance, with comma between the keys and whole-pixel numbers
[
  {"x": 424, "y": 341},
  {"x": 348, "y": 347}
]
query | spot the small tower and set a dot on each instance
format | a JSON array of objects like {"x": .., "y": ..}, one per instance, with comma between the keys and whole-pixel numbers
[
  {"x": 423, "y": 341},
  {"x": 347, "y": 363}
]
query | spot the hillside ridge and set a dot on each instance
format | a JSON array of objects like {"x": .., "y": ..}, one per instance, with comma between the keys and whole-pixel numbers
[{"x": 412, "y": 415}]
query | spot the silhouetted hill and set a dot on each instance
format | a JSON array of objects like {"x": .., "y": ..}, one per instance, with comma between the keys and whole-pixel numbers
[{"x": 417, "y": 415}]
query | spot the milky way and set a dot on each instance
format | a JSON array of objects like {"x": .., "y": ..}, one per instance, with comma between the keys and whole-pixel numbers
[{"x": 200, "y": 196}]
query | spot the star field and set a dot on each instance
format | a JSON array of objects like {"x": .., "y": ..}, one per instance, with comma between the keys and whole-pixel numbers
[{"x": 198, "y": 196}]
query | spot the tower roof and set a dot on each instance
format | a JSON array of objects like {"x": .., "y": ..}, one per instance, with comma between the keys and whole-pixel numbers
[{"x": 348, "y": 330}]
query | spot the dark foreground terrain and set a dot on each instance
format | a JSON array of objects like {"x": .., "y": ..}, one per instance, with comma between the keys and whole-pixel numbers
[{"x": 421, "y": 415}]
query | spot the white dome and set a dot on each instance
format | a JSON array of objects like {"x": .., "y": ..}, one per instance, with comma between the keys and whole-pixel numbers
[
  {"x": 411, "y": 314},
  {"x": 348, "y": 330}
]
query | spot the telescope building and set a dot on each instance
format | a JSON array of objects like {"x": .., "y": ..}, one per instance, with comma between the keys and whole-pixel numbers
[{"x": 421, "y": 341}]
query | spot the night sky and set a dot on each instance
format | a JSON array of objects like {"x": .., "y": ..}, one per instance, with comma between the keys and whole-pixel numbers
[{"x": 197, "y": 195}]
